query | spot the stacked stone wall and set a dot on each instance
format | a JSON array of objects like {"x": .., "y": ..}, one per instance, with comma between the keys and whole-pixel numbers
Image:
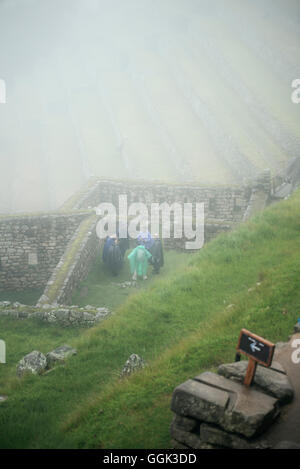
[
  {"x": 31, "y": 246},
  {"x": 220, "y": 203},
  {"x": 74, "y": 265},
  {"x": 219, "y": 411}
]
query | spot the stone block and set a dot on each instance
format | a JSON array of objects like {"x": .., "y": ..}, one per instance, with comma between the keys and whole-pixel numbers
[
  {"x": 177, "y": 445},
  {"x": 88, "y": 316},
  {"x": 199, "y": 401},
  {"x": 272, "y": 381},
  {"x": 233, "y": 407},
  {"x": 185, "y": 423},
  {"x": 215, "y": 436},
  {"x": 59, "y": 355},
  {"x": 134, "y": 363},
  {"x": 34, "y": 362},
  {"x": 61, "y": 314},
  {"x": 191, "y": 440}
]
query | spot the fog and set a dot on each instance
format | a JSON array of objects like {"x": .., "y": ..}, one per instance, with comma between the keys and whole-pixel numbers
[{"x": 169, "y": 90}]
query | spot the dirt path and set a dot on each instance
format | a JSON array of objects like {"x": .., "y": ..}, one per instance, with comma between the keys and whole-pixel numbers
[{"x": 287, "y": 427}]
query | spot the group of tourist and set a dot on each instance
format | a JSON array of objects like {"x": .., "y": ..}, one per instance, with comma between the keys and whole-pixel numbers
[{"x": 148, "y": 250}]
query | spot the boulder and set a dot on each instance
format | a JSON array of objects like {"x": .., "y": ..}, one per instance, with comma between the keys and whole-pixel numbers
[
  {"x": 59, "y": 355},
  {"x": 35, "y": 363},
  {"x": 134, "y": 363},
  {"x": 272, "y": 381}
]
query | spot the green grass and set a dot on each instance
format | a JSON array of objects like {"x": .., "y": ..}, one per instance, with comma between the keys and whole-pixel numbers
[
  {"x": 24, "y": 336},
  {"x": 181, "y": 325},
  {"x": 26, "y": 297},
  {"x": 100, "y": 287}
]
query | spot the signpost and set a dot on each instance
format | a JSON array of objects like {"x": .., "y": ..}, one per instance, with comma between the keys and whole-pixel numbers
[{"x": 257, "y": 349}]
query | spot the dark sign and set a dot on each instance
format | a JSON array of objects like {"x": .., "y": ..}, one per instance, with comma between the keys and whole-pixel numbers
[{"x": 255, "y": 347}]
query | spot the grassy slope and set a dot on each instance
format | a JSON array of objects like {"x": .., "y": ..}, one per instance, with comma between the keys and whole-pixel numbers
[{"x": 181, "y": 326}]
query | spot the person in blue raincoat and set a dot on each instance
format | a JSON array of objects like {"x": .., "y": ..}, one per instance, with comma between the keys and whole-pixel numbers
[
  {"x": 108, "y": 242},
  {"x": 138, "y": 262},
  {"x": 146, "y": 239}
]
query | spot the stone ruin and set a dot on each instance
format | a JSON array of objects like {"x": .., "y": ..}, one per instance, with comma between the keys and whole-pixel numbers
[
  {"x": 55, "y": 251},
  {"x": 37, "y": 363},
  {"x": 217, "y": 411}
]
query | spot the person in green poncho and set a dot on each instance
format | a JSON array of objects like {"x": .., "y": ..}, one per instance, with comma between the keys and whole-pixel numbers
[{"x": 138, "y": 261}]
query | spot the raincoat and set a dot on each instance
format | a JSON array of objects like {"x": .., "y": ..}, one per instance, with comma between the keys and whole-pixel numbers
[
  {"x": 146, "y": 239},
  {"x": 138, "y": 261},
  {"x": 109, "y": 242},
  {"x": 157, "y": 255}
]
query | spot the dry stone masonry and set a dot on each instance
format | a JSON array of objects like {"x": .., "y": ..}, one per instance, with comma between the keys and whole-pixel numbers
[
  {"x": 65, "y": 316},
  {"x": 218, "y": 411},
  {"x": 73, "y": 266},
  {"x": 221, "y": 203},
  {"x": 31, "y": 246},
  {"x": 56, "y": 251}
]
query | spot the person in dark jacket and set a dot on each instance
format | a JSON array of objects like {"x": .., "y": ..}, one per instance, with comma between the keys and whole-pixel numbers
[
  {"x": 157, "y": 254},
  {"x": 123, "y": 242},
  {"x": 108, "y": 242},
  {"x": 112, "y": 255}
]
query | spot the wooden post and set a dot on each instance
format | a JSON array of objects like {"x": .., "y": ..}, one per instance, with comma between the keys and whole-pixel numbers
[{"x": 250, "y": 372}]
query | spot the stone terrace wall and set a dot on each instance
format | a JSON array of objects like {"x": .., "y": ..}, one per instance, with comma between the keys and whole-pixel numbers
[
  {"x": 74, "y": 265},
  {"x": 67, "y": 316},
  {"x": 31, "y": 246},
  {"x": 221, "y": 203},
  {"x": 223, "y": 206}
]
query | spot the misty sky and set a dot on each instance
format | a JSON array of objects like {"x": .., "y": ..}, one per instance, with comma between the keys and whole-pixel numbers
[{"x": 170, "y": 90}]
